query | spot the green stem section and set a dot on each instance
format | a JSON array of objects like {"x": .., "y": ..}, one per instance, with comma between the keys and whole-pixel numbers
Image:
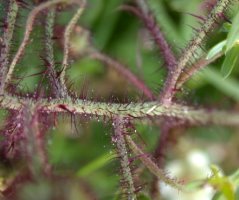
[
  {"x": 191, "y": 70},
  {"x": 28, "y": 30},
  {"x": 147, "y": 110},
  {"x": 6, "y": 41},
  {"x": 67, "y": 34},
  {"x": 57, "y": 88},
  {"x": 192, "y": 48},
  {"x": 128, "y": 181},
  {"x": 152, "y": 166}
]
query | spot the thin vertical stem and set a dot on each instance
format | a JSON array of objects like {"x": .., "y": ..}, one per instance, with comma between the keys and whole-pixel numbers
[
  {"x": 67, "y": 35},
  {"x": 158, "y": 36},
  {"x": 119, "y": 138},
  {"x": 28, "y": 30},
  {"x": 34, "y": 143},
  {"x": 57, "y": 89},
  {"x": 6, "y": 41},
  {"x": 152, "y": 166}
]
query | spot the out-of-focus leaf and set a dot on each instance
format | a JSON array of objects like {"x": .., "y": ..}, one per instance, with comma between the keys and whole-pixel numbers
[
  {"x": 222, "y": 183},
  {"x": 194, "y": 185},
  {"x": 39, "y": 191},
  {"x": 230, "y": 61},
  {"x": 103, "y": 31},
  {"x": 216, "y": 49},
  {"x": 218, "y": 196},
  {"x": 235, "y": 177},
  {"x": 228, "y": 86},
  {"x": 95, "y": 164},
  {"x": 143, "y": 197},
  {"x": 186, "y": 7},
  {"x": 233, "y": 35},
  {"x": 166, "y": 22},
  {"x": 237, "y": 193},
  {"x": 232, "y": 48},
  {"x": 226, "y": 27}
]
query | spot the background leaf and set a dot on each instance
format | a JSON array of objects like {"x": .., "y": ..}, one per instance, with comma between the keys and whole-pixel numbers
[
  {"x": 216, "y": 49},
  {"x": 233, "y": 35},
  {"x": 231, "y": 61}
]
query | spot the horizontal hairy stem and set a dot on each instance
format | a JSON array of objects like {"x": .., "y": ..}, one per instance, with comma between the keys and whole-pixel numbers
[{"x": 148, "y": 110}]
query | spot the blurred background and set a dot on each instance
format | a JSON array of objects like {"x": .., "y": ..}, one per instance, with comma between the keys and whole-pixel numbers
[{"x": 80, "y": 149}]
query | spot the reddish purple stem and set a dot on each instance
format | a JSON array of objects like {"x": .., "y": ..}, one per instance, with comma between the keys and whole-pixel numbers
[{"x": 123, "y": 70}]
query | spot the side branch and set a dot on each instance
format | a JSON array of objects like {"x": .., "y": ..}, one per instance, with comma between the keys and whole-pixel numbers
[
  {"x": 57, "y": 89},
  {"x": 170, "y": 85},
  {"x": 128, "y": 186},
  {"x": 151, "y": 165},
  {"x": 28, "y": 30},
  {"x": 67, "y": 35},
  {"x": 157, "y": 35},
  {"x": 7, "y": 39},
  {"x": 131, "y": 110},
  {"x": 191, "y": 70}
]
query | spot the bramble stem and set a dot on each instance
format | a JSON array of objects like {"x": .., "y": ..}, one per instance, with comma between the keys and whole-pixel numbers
[
  {"x": 40, "y": 144},
  {"x": 57, "y": 89},
  {"x": 119, "y": 139},
  {"x": 30, "y": 128},
  {"x": 170, "y": 85},
  {"x": 34, "y": 143},
  {"x": 131, "y": 110},
  {"x": 28, "y": 30},
  {"x": 6, "y": 41},
  {"x": 152, "y": 166},
  {"x": 201, "y": 63},
  {"x": 67, "y": 35},
  {"x": 123, "y": 70},
  {"x": 157, "y": 35}
]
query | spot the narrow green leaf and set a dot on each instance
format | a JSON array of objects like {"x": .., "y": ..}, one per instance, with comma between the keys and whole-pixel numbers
[
  {"x": 226, "y": 27},
  {"x": 95, "y": 164},
  {"x": 218, "y": 196},
  {"x": 228, "y": 86},
  {"x": 237, "y": 193},
  {"x": 222, "y": 183},
  {"x": 194, "y": 185},
  {"x": 235, "y": 177},
  {"x": 143, "y": 197},
  {"x": 233, "y": 35},
  {"x": 216, "y": 49},
  {"x": 230, "y": 61}
]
